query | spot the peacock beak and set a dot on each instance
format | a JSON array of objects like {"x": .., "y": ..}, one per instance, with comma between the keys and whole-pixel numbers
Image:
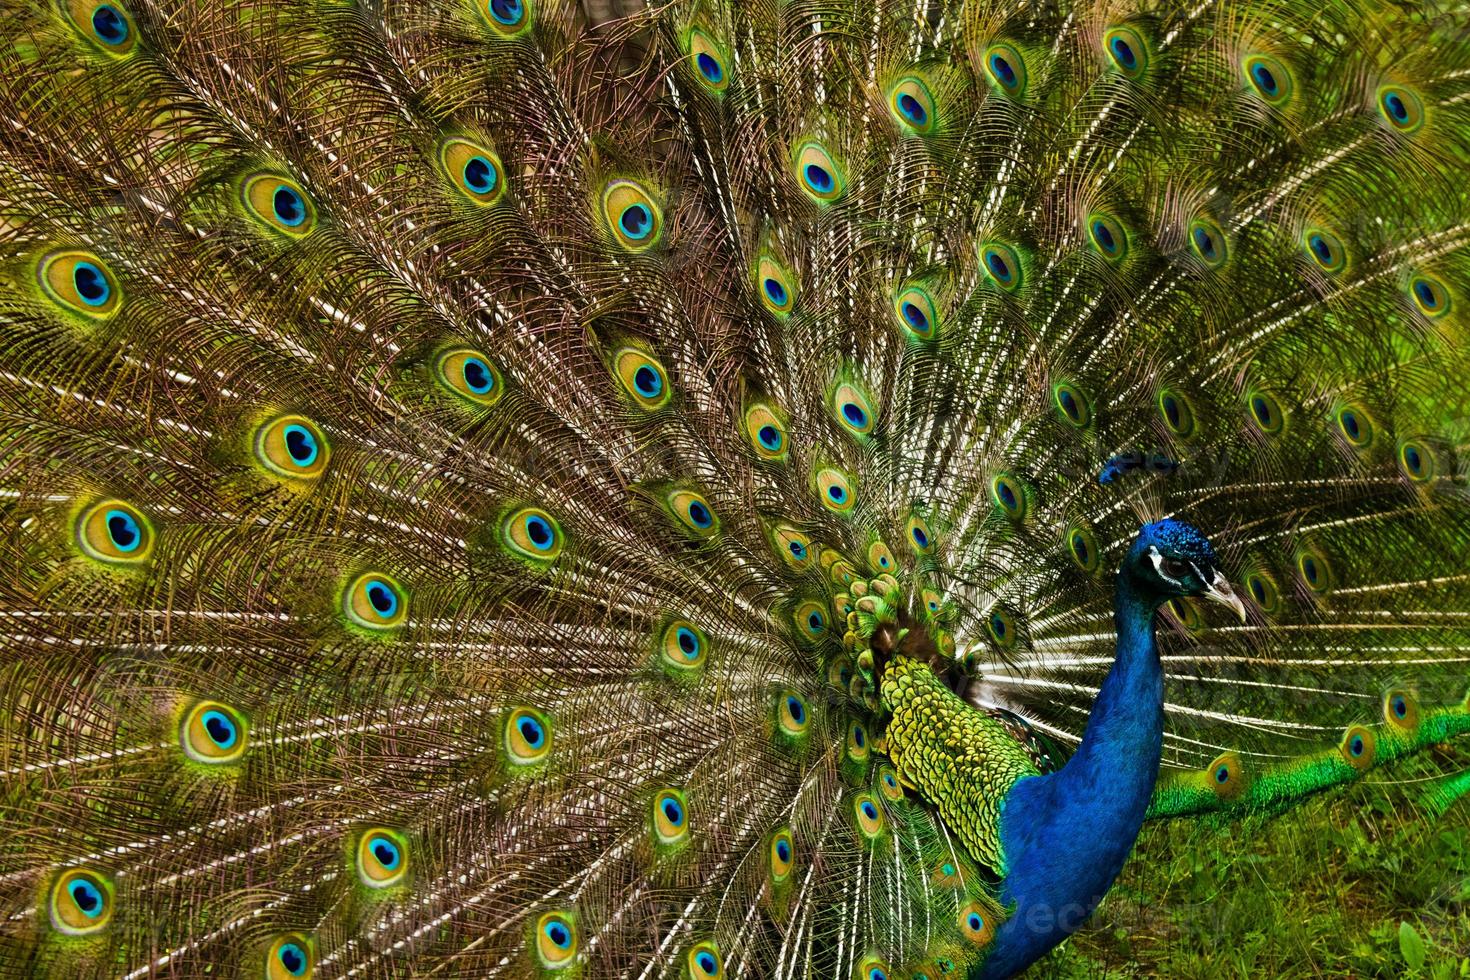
[{"x": 1219, "y": 590}]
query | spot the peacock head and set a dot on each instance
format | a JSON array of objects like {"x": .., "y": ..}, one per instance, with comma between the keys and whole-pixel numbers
[{"x": 1172, "y": 559}]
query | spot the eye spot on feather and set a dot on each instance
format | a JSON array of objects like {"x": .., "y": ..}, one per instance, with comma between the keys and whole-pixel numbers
[
  {"x": 1263, "y": 591},
  {"x": 1226, "y": 776},
  {"x": 474, "y": 170},
  {"x": 1002, "y": 627},
  {"x": 1009, "y": 496},
  {"x": 1107, "y": 236},
  {"x": 643, "y": 378},
  {"x": 766, "y": 432},
  {"x": 818, "y": 175},
  {"x": 811, "y": 622},
  {"x": 1401, "y": 710},
  {"x": 1072, "y": 404},
  {"x": 290, "y": 957},
  {"x": 888, "y": 784},
  {"x": 532, "y": 534},
  {"x": 382, "y": 858},
  {"x": 470, "y": 375},
  {"x": 81, "y": 283},
  {"x": 921, "y": 539},
  {"x": 1325, "y": 250},
  {"x": 792, "y": 714},
  {"x": 704, "y": 962},
  {"x": 669, "y": 817},
  {"x": 868, "y": 815},
  {"x": 1358, "y": 747},
  {"x": 871, "y": 968},
  {"x": 976, "y": 924},
  {"x": 693, "y": 513},
  {"x": 527, "y": 737},
  {"x": 556, "y": 940},
  {"x": 858, "y": 750},
  {"x": 632, "y": 216},
  {"x": 292, "y": 446},
  {"x": 1430, "y": 295},
  {"x": 683, "y": 650},
  {"x": 782, "y": 855},
  {"x": 912, "y": 105},
  {"x": 1177, "y": 414},
  {"x": 1127, "y": 51},
  {"x": 108, "y": 25},
  {"x": 880, "y": 558},
  {"x": 834, "y": 490},
  {"x": 1356, "y": 426},
  {"x": 375, "y": 601},
  {"x": 279, "y": 204},
  {"x": 213, "y": 734},
  {"x": 1265, "y": 412},
  {"x": 853, "y": 409},
  {"x": 1002, "y": 265},
  {"x": 1006, "y": 70},
  {"x": 1207, "y": 243},
  {"x": 793, "y": 547},
  {"x": 114, "y": 533},
  {"x": 916, "y": 313},
  {"x": 1315, "y": 570},
  {"x": 1082, "y": 547},
  {"x": 709, "y": 61},
  {"x": 1269, "y": 78},
  {"x": 505, "y": 17},
  {"x": 1401, "y": 108},
  {"x": 1416, "y": 461},
  {"x": 81, "y": 902}
]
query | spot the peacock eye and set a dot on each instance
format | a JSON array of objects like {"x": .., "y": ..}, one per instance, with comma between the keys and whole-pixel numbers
[{"x": 1175, "y": 569}]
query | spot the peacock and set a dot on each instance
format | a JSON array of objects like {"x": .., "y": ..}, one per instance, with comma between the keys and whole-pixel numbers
[{"x": 768, "y": 489}]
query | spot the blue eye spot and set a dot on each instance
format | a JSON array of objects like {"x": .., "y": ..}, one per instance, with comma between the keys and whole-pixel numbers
[
  {"x": 770, "y": 437},
  {"x": 220, "y": 729},
  {"x": 87, "y": 898},
  {"x": 1123, "y": 53},
  {"x": 814, "y": 622},
  {"x": 710, "y": 68},
  {"x": 1425, "y": 291},
  {"x": 998, "y": 625},
  {"x": 912, "y": 109},
  {"x": 775, "y": 292},
  {"x": 123, "y": 530},
  {"x": 1262, "y": 410},
  {"x": 479, "y": 175},
  {"x": 289, "y": 207},
  {"x": 1350, "y": 424},
  {"x": 507, "y": 12},
  {"x": 870, "y": 811},
  {"x": 1171, "y": 411},
  {"x": 1003, "y": 70},
  {"x": 783, "y": 850},
  {"x": 798, "y": 550},
  {"x": 688, "y": 642},
  {"x": 647, "y": 381},
  {"x": 382, "y": 598},
  {"x": 636, "y": 221},
  {"x": 109, "y": 24},
  {"x": 1413, "y": 460},
  {"x": 915, "y": 317},
  {"x": 975, "y": 922},
  {"x": 1394, "y": 103},
  {"x": 707, "y": 963},
  {"x": 1321, "y": 249},
  {"x": 386, "y": 852},
  {"x": 1222, "y": 774},
  {"x": 1265, "y": 80},
  {"x": 1007, "y": 496},
  {"x": 920, "y": 538},
  {"x": 301, "y": 445},
  {"x": 1400, "y": 707},
  {"x": 837, "y": 494},
  {"x": 1309, "y": 569},
  {"x": 998, "y": 266},
  {"x": 1103, "y": 235},
  {"x": 673, "y": 812},
  {"x": 1205, "y": 242},
  {"x": 477, "y": 376},
  {"x": 559, "y": 934},
  {"x": 854, "y": 414},
  {"x": 293, "y": 958},
  {"x": 818, "y": 178},
  {"x": 1356, "y": 745},
  {"x": 91, "y": 284},
  {"x": 538, "y": 530},
  {"x": 700, "y": 515},
  {"x": 532, "y": 731},
  {"x": 1258, "y": 590},
  {"x": 859, "y": 736},
  {"x": 797, "y": 709}
]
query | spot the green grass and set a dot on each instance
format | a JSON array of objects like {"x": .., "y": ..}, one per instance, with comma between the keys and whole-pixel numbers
[{"x": 1360, "y": 883}]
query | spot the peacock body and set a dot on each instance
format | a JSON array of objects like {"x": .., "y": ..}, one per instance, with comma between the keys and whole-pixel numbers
[{"x": 511, "y": 488}]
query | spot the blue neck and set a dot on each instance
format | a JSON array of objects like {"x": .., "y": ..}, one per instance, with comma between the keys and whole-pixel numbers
[{"x": 1067, "y": 835}]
